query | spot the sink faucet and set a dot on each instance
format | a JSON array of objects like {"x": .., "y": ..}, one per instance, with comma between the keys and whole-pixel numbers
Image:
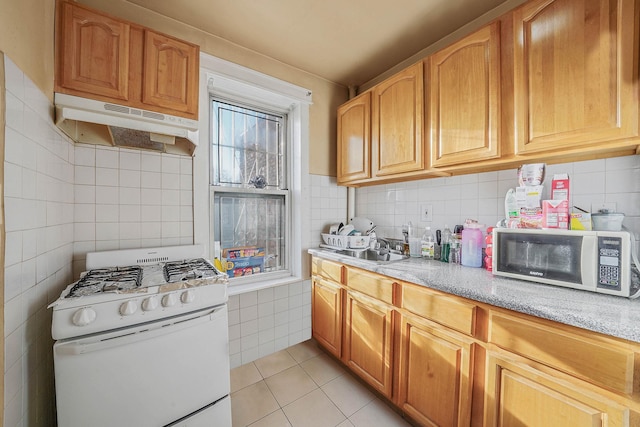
[
  {"x": 405, "y": 231},
  {"x": 382, "y": 243}
]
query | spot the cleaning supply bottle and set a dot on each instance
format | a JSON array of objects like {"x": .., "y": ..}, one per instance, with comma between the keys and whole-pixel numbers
[
  {"x": 472, "y": 245},
  {"x": 428, "y": 244},
  {"x": 511, "y": 213},
  {"x": 446, "y": 244}
]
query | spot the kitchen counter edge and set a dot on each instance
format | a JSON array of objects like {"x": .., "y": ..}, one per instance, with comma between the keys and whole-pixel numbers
[{"x": 610, "y": 315}]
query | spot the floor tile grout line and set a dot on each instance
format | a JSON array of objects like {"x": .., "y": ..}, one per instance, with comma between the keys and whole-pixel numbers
[{"x": 317, "y": 386}]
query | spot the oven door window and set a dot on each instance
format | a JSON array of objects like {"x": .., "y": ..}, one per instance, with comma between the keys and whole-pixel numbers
[{"x": 544, "y": 256}]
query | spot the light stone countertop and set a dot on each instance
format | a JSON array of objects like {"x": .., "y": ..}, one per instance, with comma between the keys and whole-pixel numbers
[{"x": 610, "y": 315}]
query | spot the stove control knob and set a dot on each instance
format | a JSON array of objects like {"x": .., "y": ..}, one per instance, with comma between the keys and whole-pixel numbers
[
  {"x": 84, "y": 316},
  {"x": 150, "y": 304},
  {"x": 169, "y": 300},
  {"x": 187, "y": 297},
  {"x": 128, "y": 308}
]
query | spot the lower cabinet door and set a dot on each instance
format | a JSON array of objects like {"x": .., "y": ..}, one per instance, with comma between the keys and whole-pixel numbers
[
  {"x": 436, "y": 371},
  {"x": 326, "y": 315},
  {"x": 520, "y": 395},
  {"x": 368, "y": 342}
]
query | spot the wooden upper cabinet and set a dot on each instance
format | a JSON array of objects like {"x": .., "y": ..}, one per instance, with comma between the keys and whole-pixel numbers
[
  {"x": 105, "y": 58},
  {"x": 354, "y": 139},
  {"x": 575, "y": 73},
  {"x": 398, "y": 122},
  {"x": 464, "y": 99},
  {"x": 170, "y": 73},
  {"x": 93, "y": 53}
]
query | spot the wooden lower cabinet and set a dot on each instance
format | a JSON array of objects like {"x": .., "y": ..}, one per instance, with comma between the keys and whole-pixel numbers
[
  {"x": 517, "y": 394},
  {"x": 447, "y": 361},
  {"x": 326, "y": 314},
  {"x": 368, "y": 346},
  {"x": 435, "y": 373}
]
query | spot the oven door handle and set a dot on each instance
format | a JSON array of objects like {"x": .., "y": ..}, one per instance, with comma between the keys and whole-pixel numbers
[{"x": 136, "y": 335}]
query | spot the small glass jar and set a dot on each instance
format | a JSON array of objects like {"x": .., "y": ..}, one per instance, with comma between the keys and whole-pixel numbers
[{"x": 454, "y": 252}]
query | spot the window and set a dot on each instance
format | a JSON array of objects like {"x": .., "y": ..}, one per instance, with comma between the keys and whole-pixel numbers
[
  {"x": 244, "y": 88},
  {"x": 249, "y": 176}
]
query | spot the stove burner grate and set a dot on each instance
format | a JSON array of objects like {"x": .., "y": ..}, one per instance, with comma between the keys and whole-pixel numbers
[
  {"x": 197, "y": 268},
  {"x": 107, "y": 280}
]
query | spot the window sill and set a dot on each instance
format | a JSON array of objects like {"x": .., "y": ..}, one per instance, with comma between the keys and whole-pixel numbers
[{"x": 257, "y": 285}]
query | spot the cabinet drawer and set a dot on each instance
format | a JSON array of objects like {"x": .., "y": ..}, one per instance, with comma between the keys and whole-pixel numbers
[
  {"x": 327, "y": 269},
  {"x": 599, "y": 360},
  {"x": 371, "y": 284},
  {"x": 446, "y": 310}
]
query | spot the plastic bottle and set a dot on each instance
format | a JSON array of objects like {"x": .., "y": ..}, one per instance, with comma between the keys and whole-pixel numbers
[
  {"x": 446, "y": 244},
  {"x": 428, "y": 244},
  {"x": 472, "y": 245},
  {"x": 415, "y": 241},
  {"x": 510, "y": 207}
]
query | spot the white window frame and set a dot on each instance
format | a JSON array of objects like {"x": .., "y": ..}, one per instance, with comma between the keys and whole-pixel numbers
[{"x": 233, "y": 81}]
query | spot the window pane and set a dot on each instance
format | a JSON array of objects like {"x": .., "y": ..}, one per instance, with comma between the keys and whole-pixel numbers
[
  {"x": 249, "y": 145},
  {"x": 252, "y": 221}
]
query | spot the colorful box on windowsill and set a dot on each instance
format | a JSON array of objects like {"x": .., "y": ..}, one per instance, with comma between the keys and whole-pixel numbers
[{"x": 244, "y": 261}]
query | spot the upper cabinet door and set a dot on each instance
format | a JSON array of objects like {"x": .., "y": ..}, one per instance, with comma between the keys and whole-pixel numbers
[
  {"x": 354, "y": 139},
  {"x": 397, "y": 135},
  {"x": 93, "y": 53},
  {"x": 575, "y": 80},
  {"x": 464, "y": 99},
  {"x": 170, "y": 73}
]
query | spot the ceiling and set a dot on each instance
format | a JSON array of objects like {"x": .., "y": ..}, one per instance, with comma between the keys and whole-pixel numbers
[{"x": 348, "y": 42}]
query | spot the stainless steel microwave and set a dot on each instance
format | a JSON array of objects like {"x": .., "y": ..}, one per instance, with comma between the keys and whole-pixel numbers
[{"x": 596, "y": 261}]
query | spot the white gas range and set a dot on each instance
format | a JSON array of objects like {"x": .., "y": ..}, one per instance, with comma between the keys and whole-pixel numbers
[{"x": 142, "y": 339}]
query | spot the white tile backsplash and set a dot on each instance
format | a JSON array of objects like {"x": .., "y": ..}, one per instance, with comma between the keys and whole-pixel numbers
[
  {"x": 39, "y": 210},
  {"x": 268, "y": 320},
  {"x": 481, "y": 196},
  {"x": 106, "y": 157}
]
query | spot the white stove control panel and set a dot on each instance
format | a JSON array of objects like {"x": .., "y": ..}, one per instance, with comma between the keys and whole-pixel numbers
[{"x": 89, "y": 315}]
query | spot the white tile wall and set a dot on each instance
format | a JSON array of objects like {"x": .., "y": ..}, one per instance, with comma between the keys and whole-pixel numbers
[
  {"x": 481, "y": 196},
  {"x": 328, "y": 206},
  {"x": 268, "y": 320},
  {"x": 128, "y": 199},
  {"x": 39, "y": 213}
]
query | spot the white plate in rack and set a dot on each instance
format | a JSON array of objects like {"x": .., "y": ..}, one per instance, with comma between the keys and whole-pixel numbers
[
  {"x": 336, "y": 248},
  {"x": 346, "y": 242}
]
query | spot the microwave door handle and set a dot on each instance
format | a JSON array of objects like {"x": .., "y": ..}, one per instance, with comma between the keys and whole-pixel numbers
[{"x": 589, "y": 262}]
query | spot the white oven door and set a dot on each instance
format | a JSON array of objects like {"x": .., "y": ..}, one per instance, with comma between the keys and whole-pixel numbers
[{"x": 149, "y": 375}]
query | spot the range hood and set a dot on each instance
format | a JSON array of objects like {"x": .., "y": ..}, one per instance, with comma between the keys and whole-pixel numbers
[{"x": 96, "y": 122}]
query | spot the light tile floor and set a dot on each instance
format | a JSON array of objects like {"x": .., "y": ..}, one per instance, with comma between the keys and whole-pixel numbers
[{"x": 303, "y": 387}]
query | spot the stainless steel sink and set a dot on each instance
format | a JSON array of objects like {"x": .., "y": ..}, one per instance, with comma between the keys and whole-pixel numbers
[{"x": 373, "y": 255}]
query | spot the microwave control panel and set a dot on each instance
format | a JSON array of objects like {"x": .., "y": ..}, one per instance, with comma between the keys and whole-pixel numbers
[{"x": 609, "y": 263}]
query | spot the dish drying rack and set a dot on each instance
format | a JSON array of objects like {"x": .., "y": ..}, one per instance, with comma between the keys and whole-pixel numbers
[{"x": 337, "y": 241}]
